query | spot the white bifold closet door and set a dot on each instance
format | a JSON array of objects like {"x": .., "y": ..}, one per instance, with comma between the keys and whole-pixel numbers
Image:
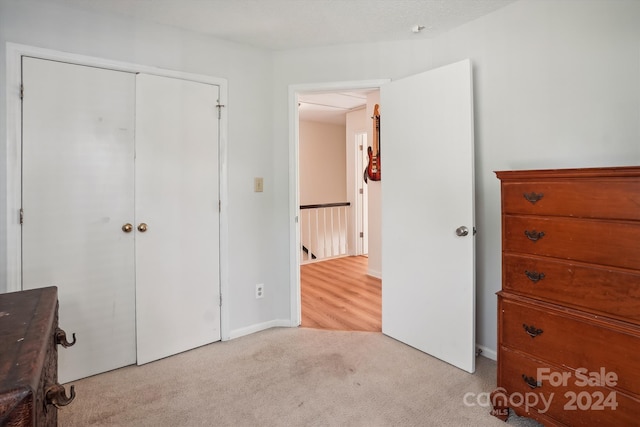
[
  {"x": 102, "y": 149},
  {"x": 177, "y": 271},
  {"x": 77, "y": 193}
]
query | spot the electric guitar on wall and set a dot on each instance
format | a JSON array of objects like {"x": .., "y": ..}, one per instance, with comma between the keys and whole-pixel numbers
[{"x": 373, "y": 168}]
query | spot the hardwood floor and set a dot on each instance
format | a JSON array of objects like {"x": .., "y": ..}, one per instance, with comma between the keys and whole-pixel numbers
[{"x": 339, "y": 295}]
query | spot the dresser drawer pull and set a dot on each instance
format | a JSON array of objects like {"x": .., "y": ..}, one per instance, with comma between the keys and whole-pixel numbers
[
  {"x": 533, "y": 197},
  {"x": 61, "y": 338},
  {"x": 531, "y": 382},
  {"x": 534, "y": 276},
  {"x": 532, "y": 330},
  {"x": 534, "y": 235},
  {"x": 57, "y": 396}
]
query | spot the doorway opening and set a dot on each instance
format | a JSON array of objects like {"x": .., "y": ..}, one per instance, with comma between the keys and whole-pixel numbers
[
  {"x": 429, "y": 272},
  {"x": 335, "y": 289}
]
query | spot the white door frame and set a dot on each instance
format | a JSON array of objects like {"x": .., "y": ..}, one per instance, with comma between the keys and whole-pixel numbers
[
  {"x": 15, "y": 52},
  {"x": 361, "y": 205},
  {"x": 294, "y": 191}
]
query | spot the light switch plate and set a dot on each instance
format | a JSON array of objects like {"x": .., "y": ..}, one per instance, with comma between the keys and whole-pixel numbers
[{"x": 258, "y": 185}]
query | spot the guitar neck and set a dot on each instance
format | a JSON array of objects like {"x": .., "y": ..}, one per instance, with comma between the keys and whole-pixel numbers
[
  {"x": 376, "y": 136},
  {"x": 376, "y": 130}
]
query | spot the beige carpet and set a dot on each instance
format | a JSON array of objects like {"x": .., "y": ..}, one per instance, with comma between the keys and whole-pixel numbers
[{"x": 289, "y": 377}]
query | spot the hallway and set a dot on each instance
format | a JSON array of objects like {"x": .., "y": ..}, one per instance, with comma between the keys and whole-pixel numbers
[{"x": 339, "y": 295}]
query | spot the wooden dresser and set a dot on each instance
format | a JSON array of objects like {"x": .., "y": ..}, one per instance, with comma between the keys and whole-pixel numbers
[
  {"x": 569, "y": 308},
  {"x": 29, "y": 391}
]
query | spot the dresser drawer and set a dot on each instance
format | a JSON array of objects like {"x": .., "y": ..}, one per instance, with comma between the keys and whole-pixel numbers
[
  {"x": 560, "y": 393},
  {"x": 613, "y": 198},
  {"x": 612, "y": 243},
  {"x": 571, "y": 341},
  {"x": 612, "y": 292}
]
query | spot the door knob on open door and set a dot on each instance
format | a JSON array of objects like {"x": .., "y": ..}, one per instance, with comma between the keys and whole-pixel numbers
[
  {"x": 462, "y": 231},
  {"x": 142, "y": 227},
  {"x": 127, "y": 228}
]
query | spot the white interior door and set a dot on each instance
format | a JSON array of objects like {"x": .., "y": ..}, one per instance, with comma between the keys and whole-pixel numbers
[
  {"x": 363, "y": 196},
  {"x": 77, "y": 193},
  {"x": 428, "y": 278},
  {"x": 177, "y": 257}
]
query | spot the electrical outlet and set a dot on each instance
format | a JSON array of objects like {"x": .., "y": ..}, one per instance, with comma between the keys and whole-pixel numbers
[{"x": 259, "y": 290}]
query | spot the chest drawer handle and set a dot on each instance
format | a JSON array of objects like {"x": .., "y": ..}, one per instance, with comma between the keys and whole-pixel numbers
[
  {"x": 532, "y": 330},
  {"x": 61, "y": 338},
  {"x": 533, "y": 197},
  {"x": 534, "y": 235},
  {"x": 534, "y": 276},
  {"x": 57, "y": 396},
  {"x": 531, "y": 382}
]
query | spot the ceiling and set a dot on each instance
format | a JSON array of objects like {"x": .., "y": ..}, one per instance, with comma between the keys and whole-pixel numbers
[
  {"x": 294, "y": 24},
  {"x": 290, "y": 24},
  {"x": 330, "y": 107}
]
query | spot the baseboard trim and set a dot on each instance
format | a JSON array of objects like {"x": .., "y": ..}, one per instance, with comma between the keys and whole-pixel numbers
[
  {"x": 277, "y": 323},
  {"x": 376, "y": 274},
  {"x": 487, "y": 352}
]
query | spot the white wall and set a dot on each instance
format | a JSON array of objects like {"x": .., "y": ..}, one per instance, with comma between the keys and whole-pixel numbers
[
  {"x": 322, "y": 162},
  {"x": 257, "y": 234},
  {"x": 557, "y": 84}
]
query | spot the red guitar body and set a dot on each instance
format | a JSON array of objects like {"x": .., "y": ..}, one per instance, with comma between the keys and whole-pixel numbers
[{"x": 373, "y": 168}]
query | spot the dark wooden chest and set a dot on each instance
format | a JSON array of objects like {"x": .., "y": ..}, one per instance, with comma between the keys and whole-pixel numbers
[{"x": 29, "y": 334}]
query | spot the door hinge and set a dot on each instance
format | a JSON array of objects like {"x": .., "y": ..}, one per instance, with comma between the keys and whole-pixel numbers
[
  {"x": 360, "y": 146},
  {"x": 21, "y": 91},
  {"x": 220, "y": 301},
  {"x": 362, "y": 234},
  {"x": 219, "y": 206},
  {"x": 220, "y": 107},
  {"x": 361, "y": 191},
  {"x": 296, "y": 219},
  {"x": 21, "y": 216}
]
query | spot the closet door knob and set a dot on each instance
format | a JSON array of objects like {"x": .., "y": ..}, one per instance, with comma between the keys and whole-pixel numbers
[
  {"x": 127, "y": 228},
  {"x": 142, "y": 227},
  {"x": 462, "y": 231}
]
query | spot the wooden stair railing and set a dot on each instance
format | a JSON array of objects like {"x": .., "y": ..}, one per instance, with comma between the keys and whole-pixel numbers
[{"x": 324, "y": 230}]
